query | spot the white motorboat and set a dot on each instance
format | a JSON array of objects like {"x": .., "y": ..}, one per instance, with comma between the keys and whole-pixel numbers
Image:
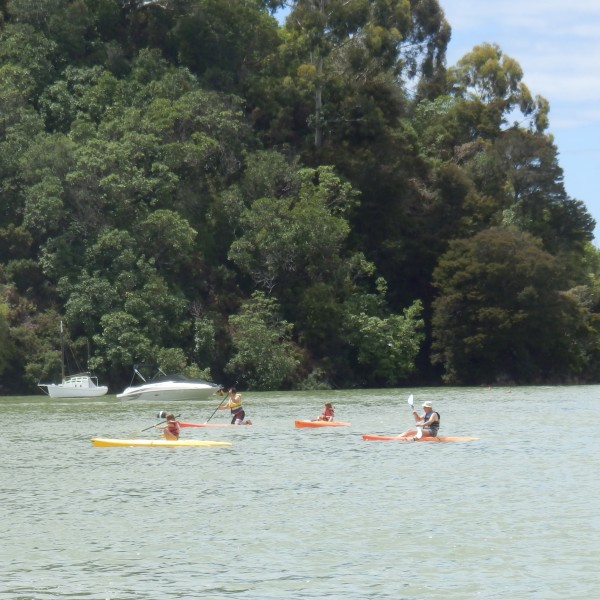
[
  {"x": 80, "y": 385},
  {"x": 169, "y": 387}
]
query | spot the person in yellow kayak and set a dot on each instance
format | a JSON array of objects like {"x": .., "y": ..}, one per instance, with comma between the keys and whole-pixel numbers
[
  {"x": 429, "y": 422},
  {"x": 327, "y": 414},
  {"x": 238, "y": 414},
  {"x": 171, "y": 429}
]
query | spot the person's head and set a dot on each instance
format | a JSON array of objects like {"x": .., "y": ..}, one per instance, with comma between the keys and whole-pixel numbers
[
  {"x": 328, "y": 405},
  {"x": 427, "y": 406},
  {"x": 170, "y": 417},
  {"x": 232, "y": 391}
]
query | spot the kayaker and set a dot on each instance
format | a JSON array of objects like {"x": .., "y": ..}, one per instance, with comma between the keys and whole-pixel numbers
[
  {"x": 238, "y": 414},
  {"x": 171, "y": 428},
  {"x": 429, "y": 422},
  {"x": 327, "y": 414}
]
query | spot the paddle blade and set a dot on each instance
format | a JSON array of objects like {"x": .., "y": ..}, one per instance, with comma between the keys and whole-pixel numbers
[
  {"x": 410, "y": 401},
  {"x": 419, "y": 433}
]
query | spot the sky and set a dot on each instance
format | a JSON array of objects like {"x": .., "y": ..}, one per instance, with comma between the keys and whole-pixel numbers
[{"x": 557, "y": 44}]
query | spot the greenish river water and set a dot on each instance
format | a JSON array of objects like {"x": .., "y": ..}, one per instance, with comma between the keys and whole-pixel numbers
[{"x": 300, "y": 513}]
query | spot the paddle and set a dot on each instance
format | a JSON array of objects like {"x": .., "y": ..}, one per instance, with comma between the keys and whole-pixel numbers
[
  {"x": 225, "y": 397},
  {"x": 419, "y": 434},
  {"x": 152, "y": 426}
]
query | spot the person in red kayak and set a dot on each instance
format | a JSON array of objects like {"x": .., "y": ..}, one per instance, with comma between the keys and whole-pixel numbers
[
  {"x": 327, "y": 414},
  {"x": 429, "y": 422},
  {"x": 171, "y": 428}
]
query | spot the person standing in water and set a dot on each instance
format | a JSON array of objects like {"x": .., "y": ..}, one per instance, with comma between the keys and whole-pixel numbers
[{"x": 238, "y": 414}]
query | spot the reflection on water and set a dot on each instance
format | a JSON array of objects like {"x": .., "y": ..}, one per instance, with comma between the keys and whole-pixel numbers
[{"x": 304, "y": 513}]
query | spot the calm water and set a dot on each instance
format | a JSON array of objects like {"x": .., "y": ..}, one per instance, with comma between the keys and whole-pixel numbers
[{"x": 298, "y": 513}]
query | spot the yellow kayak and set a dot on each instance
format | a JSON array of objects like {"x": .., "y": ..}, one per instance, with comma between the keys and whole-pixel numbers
[{"x": 106, "y": 443}]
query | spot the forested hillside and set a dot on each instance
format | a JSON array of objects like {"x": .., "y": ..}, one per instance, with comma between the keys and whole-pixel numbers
[{"x": 320, "y": 202}]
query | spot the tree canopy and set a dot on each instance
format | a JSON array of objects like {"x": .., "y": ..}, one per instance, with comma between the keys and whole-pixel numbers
[{"x": 322, "y": 202}]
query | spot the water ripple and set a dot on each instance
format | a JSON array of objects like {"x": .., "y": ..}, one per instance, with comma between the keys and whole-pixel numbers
[{"x": 288, "y": 513}]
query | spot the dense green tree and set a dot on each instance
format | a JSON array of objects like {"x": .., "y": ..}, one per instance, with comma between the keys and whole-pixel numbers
[
  {"x": 587, "y": 296},
  {"x": 294, "y": 245},
  {"x": 296, "y": 238},
  {"x": 7, "y": 350},
  {"x": 264, "y": 356},
  {"x": 123, "y": 341},
  {"x": 387, "y": 347},
  {"x": 224, "y": 41},
  {"x": 486, "y": 75},
  {"x": 44, "y": 166},
  {"x": 501, "y": 314},
  {"x": 67, "y": 98},
  {"x": 537, "y": 201},
  {"x": 27, "y": 50},
  {"x": 167, "y": 239},
  {"x": 346, "y": 66},
  {"x": 205, "y": 347},
  {"x": 340, "y": 43}
]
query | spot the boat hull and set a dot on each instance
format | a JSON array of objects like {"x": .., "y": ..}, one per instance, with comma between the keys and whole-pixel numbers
[
  {"x": 76, "y": 386},
  {"x": 170, "y": 391},
  {"x": 57, "y": 391},
  {"x": 117, "y": 443},
  {"x": 397, "y": 438},
  {"x": 321, "y": 424}
]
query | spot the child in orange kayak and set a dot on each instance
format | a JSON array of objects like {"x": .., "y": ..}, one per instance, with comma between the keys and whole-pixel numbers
[
  {"x": 327, "y": 414},
  {"x": 171, "y": 429}
]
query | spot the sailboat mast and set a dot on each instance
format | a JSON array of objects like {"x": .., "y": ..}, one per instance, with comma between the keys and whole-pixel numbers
[{"x": 62, "y": 352}]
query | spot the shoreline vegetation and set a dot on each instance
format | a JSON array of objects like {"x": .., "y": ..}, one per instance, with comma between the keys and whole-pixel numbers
[{"x": 310, "y": 202}]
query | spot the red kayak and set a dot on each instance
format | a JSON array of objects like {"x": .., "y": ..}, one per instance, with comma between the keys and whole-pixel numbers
[
  {"x": 184, "y": 424},
  {"x": 397, "y": 438},
  {"x": 320, "y": 424}
]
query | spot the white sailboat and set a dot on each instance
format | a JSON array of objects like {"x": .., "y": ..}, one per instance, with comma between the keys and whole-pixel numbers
[{"x": 79, "y": 385}]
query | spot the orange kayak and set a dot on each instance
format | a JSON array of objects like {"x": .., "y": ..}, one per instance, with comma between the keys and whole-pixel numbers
[
  {"x": 397, "y": 438},
  {"x": 320, "y": 423}
]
